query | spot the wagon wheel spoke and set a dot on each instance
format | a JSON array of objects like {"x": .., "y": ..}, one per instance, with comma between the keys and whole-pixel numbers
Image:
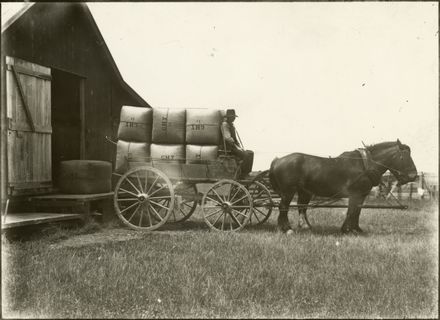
[
  {"x": 245, "y": 196},
  {"x": 156, "y": 191},
  {"x": 131, "y": 217},
  {"x": 148, "y": 216},
  {"x": 130, "y": 206},
  {"x": 160, "y": 198},
  {"x": 239, "y": 213},
  {"x": 235, "y": 218},
  {"x": 156, "y": 213},
  {"x": 213, "y": 213},
  {"x": 127, "y": 199},
  {"x": 210, "y": 199},
  {"x": 230, "y": 198},
  {"x": 146, "y": 181},
  {"x": 151, "y": 186},
  {"x": 140, "y": 218},
  {"x": 218, "y": 196},
  {"x": 134, "y": 187},
  {"x": 256, "y": 216},
  {"x": 158, "y": 204},
  {"x": 218, "y": 218},
  {"x": 129, "y": 192},
  {"x": 139, "y": 182}
]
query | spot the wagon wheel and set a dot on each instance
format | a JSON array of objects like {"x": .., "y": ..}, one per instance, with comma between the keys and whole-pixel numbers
[
  {"x": 185, "y": 202},
  {"x": 263, "y": 178},
  {"x": 226, "y": 206},
  {"x": 261, "y": 202},
  {"x": 144, "y": 198}
]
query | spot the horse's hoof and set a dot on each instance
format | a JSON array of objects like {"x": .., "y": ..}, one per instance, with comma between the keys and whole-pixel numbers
[
  {"x": 285, "y": 229},
  {"x": 303, "y": 226},
  {"x": 358, "y": 229}
]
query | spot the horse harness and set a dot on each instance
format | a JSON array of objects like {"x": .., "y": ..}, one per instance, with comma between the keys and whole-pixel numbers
[{"x": 370, "y": 172}]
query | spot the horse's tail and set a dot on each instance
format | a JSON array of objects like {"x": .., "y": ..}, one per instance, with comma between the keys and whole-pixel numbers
[{"x": 272, "y": 178}]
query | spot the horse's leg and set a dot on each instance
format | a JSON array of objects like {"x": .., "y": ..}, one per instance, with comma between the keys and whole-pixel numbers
[
  {"x": 283, "y": 220},
  {"x": 303, "y": 199},
  {"x": 349, "y": 222},
  {"x": 356, "y": 214}
]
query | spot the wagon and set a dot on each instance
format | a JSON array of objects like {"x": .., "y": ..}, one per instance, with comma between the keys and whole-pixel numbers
[{"x": 156, "y": 191}]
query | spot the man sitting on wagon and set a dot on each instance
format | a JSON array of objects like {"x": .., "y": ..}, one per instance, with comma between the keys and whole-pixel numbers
[{"x": 232, "y": 144}]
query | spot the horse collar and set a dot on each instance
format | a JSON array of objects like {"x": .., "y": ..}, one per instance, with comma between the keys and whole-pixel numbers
[
  {"x": 365, "y": 154},
  {"x": 371, "y": 173}
]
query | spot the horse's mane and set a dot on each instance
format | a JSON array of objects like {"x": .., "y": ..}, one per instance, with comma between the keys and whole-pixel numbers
[{"x": 385, "y": 145}]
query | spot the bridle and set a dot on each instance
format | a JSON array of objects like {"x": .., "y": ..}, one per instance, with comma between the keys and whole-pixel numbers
[{"x": 399, "y": 154}]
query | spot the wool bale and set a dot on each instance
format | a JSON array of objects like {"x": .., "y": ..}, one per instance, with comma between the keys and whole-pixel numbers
[
  {"x": 135, "y": 124},
  {"x": 168, "y": 152},
  {"x": 85, "y": 176},
  {"x": 131, "y": 154},
  {"x": 168, "y": 125},
  {"x": 203, "y": 126},
  {"x": 201, "y": 154}
]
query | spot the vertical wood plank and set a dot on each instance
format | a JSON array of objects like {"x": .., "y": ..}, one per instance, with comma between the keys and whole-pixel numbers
[{"x": 82, "y": 148}]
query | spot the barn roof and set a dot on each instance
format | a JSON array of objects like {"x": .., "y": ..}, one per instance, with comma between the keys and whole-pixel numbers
[{"x": 9, "y": 17}]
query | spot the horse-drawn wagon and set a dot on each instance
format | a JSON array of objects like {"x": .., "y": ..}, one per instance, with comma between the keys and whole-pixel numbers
[{"x": 158, "y": 188}]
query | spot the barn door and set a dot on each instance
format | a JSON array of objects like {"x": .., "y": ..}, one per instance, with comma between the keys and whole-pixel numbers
[{"x": 28, "y": 104}]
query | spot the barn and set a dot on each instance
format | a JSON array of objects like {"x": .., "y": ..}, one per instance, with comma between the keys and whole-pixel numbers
[{"x": 61, "y": 95}]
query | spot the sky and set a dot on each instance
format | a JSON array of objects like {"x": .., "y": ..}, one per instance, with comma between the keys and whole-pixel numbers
[{"x": 314, "y": 77}]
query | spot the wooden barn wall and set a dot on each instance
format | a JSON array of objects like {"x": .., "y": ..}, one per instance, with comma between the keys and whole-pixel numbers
[
  {"x": 4, "y": 139},
  {"x": 60, "y": 36}
]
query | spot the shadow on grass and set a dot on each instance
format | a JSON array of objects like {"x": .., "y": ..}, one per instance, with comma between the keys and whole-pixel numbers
[{"x": 52, "y": 231}]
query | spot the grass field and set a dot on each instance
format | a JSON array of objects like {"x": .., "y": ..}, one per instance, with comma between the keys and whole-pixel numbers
[{"x": 188, "y": 271}]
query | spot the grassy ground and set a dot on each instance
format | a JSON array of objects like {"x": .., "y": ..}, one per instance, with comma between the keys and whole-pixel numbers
[{"x": 187, "y": 271}]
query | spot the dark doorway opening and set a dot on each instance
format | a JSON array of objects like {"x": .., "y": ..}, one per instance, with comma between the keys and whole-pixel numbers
[{"x": 66, "y": 119}]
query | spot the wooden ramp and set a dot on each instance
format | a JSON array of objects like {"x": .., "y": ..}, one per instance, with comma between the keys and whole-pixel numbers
[{"x": 25, "y": 219}]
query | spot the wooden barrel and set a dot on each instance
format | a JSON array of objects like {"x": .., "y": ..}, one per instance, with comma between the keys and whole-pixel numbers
[
  {"x": 203, "y": 126},
  {"x": 169, "y": 126},
  {"x": 201, "y": 153},
  {"x": 135, "y": 124},
  {"x": 85, "y": 177},
  {"x": 174, "y": 153},
  {"x": 128, "y": 154}
]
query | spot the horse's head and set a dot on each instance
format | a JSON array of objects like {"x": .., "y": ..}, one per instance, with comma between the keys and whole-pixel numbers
[{"x": 401, "y": 165}]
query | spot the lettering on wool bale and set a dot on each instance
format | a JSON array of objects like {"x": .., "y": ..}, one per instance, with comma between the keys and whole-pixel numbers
[
  {"x": 168, "y": 152},
  {"x": 135, "y": 124},
  {"x": 168, "y": 126},
  {"x": 203, "y": 126}
]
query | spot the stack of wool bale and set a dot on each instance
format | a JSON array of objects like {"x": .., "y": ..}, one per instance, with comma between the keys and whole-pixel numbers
[
  {"x": 167, "y": 135},
  {"x": 202, "y": 135},
  {"x": 134, "y": 137}
]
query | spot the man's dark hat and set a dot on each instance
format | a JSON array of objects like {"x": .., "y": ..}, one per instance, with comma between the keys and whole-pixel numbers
[{"x": 231, "y": 113}]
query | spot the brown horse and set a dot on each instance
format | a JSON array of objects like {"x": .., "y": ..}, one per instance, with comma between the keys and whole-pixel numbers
[{"x": 350, "y": 175}]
